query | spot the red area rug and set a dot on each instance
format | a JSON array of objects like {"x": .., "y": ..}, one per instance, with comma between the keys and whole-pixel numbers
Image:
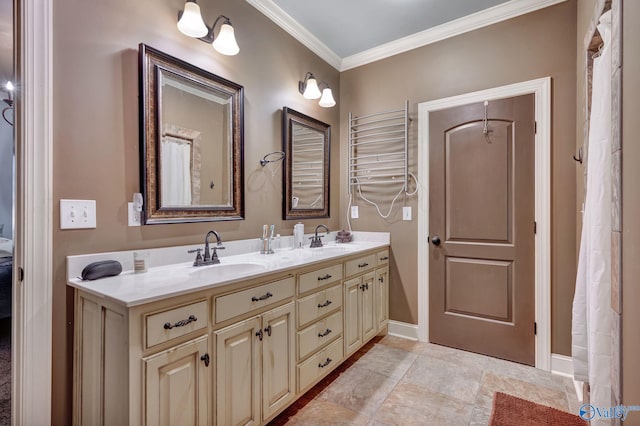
[{"x": 509, "y": 410}]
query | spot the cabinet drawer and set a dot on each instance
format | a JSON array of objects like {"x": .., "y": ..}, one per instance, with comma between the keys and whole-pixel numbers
[
  {"x": 317, "y": 304},
  {"x": 160, "y": 327},
  {"x": 319, "y": 365},
  {"x": 242, "y": 302},
  {"x": 321, "y": 277},
  {"x": 316, "y": 335},
  {"x": 382, "y": 257},
  {"x": 362, "y": 264}
]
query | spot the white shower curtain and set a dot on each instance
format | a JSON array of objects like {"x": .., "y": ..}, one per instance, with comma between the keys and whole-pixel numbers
[
  {"x": 591, "y": 328},
  {"x": 175, "y": 172}
]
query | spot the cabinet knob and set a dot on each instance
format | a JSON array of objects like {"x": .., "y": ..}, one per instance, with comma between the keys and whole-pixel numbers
[
  {"x": 206, "y": 359},
  {"x": 268, "y": 330},
  {"x": 259, "y": 334}
]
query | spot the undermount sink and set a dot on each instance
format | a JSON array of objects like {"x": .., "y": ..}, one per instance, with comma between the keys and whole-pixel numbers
[{"x": 228, "y": 270}]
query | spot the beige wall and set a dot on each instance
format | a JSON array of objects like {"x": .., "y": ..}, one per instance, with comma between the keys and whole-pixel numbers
[
  {"x": 96, "y": 130},
  {"x": 532, "y": 46},
  {"x": 630, "y": 208}
]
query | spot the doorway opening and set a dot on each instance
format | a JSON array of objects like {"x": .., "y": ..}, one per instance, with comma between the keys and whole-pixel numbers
[
  {"x": 541, "y": 89},
  {"x": 7, "y": 203}
]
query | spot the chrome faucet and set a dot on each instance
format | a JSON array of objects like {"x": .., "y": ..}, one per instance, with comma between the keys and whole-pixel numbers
[{"x": 315, "y": 240}]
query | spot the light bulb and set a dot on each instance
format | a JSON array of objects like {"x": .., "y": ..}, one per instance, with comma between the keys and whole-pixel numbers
[
  {"x": 191, "y": 22},
  {"x": 9, "y": 86},
  {"x": 327, "y": 98},
  {"x": 225, "y": 43}
]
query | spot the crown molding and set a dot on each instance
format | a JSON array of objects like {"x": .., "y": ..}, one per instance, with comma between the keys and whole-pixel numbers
[
  {"x": 501, "y": 12},
  {"x": 484, "y": 18},
  {"x": 300, "y": 33}
]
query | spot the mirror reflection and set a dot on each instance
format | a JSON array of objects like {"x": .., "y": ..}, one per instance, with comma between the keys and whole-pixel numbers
[
  {"x": 192, "y": 142},
  {"x": 306, "y": 143},
  {"x": 186, "y": 179}
]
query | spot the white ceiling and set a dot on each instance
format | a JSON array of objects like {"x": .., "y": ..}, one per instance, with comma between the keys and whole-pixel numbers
[{"x": 350, "y": 33}]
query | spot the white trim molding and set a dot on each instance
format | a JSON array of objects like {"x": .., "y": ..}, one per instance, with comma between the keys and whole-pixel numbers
[
  {"x": 297, "y": 31},
  {"x": 562, "y": 365},
  {"x": 541, "y": 88},
  {"x": 490, "y": 16},
  {"x": 33, "y": 302},
  {"x": 403, "y": 329}
]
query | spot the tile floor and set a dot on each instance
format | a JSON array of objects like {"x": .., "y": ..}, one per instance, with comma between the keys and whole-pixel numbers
[{"x": 394, "y": 381}]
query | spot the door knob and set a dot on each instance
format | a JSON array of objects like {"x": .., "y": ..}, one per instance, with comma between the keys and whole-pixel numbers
[{"x": 435, "y": 240}]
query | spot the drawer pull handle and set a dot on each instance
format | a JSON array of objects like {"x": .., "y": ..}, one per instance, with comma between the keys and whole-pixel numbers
[
  {"x": 181, "y": 323},
  {"x": 259, "y": 334},
  {"x": 206, "y": 359},
  {"x": 326, "y": 277},
  {"x": 324, "y": 364},
  {"x": 325, "y": 304},
  {"x": 364, "y": 287},
  {"x": 263, "y": 297},
  {"x": 384, "y": 258},
  {"x": 363, "y": 265},
  {"x": 325, "y": 334},
  {"x": 268, "y": 330}
]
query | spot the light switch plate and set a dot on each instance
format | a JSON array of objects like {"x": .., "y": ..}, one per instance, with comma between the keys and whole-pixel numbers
[
  {"x": 77, "y": 214},
  {"x": 354, "y": 212},
  {"x": 406, "y": 213}
]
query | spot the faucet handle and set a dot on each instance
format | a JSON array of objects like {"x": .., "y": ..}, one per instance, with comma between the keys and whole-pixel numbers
[
  {"x": 214, "y": 257},
  {"x": 198, "y": 261}
]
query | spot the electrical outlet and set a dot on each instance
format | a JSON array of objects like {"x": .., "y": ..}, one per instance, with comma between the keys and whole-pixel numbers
[
  {"x": 354, "y": 212},
  {"x": 406, "y": 213},
  {"x": 133, "y": 215},
  {"x": 77, "y": 214}
]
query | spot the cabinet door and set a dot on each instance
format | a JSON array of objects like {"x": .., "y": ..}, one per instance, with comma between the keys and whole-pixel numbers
[
  {"x": 352, "y": 315},
  {"x": 176, "y": 385},
  {"x": 381, "y": 297},
  {"x": 238, "y": 373},
  {"x": 369, "y": 325},
  {"x": 278, "y": 359}
]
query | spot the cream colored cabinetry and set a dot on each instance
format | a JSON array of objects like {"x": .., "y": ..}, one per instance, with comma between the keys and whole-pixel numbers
[
  {"x": 381, "y": 293},
  {"x": 360, "y": 318},
  {"x": 255, "y": 367},
  {"x": 238, "y": 353},
  {"x": 320, "y": 323},
  {"x": 176, "y": 388},
  {"x": 366, "y": 299}
]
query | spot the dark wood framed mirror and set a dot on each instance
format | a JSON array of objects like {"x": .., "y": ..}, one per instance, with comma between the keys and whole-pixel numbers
[
  {"x": 306, "y": 143},
  {"x": 191, "y": 137}
]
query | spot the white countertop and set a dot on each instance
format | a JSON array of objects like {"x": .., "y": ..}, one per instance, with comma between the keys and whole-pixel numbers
[{"x": 165, "y": 279}]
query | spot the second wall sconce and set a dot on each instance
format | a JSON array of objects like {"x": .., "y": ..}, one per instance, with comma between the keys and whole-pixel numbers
[
  {"x": 310, "y": 89},
  {"x": 190, "y": 23}
]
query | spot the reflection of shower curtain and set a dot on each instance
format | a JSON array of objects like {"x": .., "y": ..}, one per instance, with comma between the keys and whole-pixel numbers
[
  {"x": 591, "y": 331},
  {"x": 176, "y": 172}
]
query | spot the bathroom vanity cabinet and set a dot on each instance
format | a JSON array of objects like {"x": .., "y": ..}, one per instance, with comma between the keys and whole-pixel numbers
[{"x": 235, "y": 353}]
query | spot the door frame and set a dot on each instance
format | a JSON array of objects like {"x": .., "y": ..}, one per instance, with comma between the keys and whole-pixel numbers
[
  {"x": 541, "y": 89},
  {"x": 33, "y": 297}
]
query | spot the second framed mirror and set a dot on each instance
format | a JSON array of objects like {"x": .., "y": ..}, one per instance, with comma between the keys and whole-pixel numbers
[{"x": 306, "y": 143}]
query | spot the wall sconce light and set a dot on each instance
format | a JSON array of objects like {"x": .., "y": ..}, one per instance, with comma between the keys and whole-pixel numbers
[
  {"x": 9, "y": 101},
  {"x": 190, "y": 23},
  {"x": 310, "y": 89}
]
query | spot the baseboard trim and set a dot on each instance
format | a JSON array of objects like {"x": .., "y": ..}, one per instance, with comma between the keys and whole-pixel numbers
[
  {"x": 562, "y": 365},
  {"x": 403, "y": 329}
]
